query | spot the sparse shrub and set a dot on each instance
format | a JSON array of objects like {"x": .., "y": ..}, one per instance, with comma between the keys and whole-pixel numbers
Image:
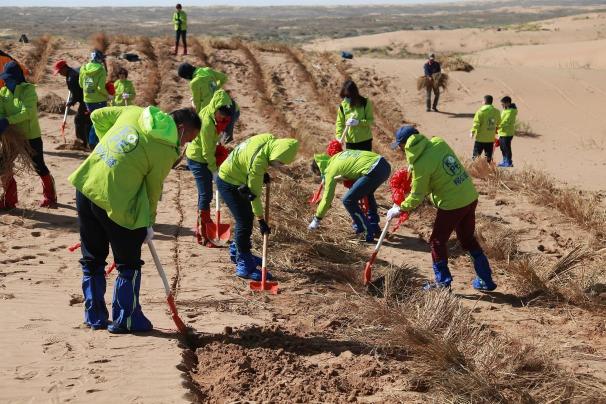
[
  {"x": 455, "y": 63},
  {"x": 15, "y": 152},
  {"x": 523, "y": 129},
  {"x": 499, "y": 242},
  {"x": 51, "y": 103},
  {"x": 100, "y": 41}
]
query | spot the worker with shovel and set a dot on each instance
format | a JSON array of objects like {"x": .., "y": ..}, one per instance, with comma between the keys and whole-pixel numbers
[
  {"x": 82, "y": 123},
  {"x": 437, "y": 172},
  {"x": 486, "y": 122},
  {"x": 368, "y": 170},
  {"x": 354, "y": 118},
  {"x": 124, "y": 90},
  {"x": 240, "y": 183},
  {"x": 19, "y": 107},
  {"x": 201, "y": 158},
  {"x": 117, "y": 192},
  {"x": 92, "y": 81}
]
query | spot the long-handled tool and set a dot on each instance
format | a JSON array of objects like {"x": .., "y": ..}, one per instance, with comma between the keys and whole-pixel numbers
[
  {"x": 315, "y": 198},
  {"x": 169, "y": 296},
  {"x": 107, "y": 271},
  {"x": 343, "y": 137},
  {"x": 219, "y": 233},
  {"x": 373, "y": 257},
  {"x": 69, "y": 96},
  {"x": 265, "y": 285}
]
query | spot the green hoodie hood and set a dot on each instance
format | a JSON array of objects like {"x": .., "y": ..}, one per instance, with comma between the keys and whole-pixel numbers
[
  {"x": 415, "y": 146},
  {"x": 322, "y": 160},
  {"x": 283, "y": 150},
  {"x": 92, "y": 69},
  {"x": 220, "y": 98},
  {"x": 159, "y": 125}
]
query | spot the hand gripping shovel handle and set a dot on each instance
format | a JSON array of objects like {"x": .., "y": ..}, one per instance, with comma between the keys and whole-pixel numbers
[
  {"x": 343, "y": 136},
  {"x": 169, "y": 296},
  {"x": 373, "y": 257}
]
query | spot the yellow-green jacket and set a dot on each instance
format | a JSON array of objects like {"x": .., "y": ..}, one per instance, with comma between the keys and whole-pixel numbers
[
  {"x": 485, "y": 124},
  {"x": 92, "y": 80},
  {"x": 363, "y": 113},
  {"x": 124, "y": 86},
  {"x": 202, "y": 148},
  {"x": 21, "y": 109},
  {"x": 349, "y": 165},
  {"x": 180, "y": 20},
  {"x": 203, "y": 85},
  {"x": 248, "y": 162},
  {"x": 437, "y": 172},
  {"x": 124, "y": 174},
  {"x": 507, "y": 128}
]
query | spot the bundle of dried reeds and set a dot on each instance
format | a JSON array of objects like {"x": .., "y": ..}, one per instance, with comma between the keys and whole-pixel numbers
[
  {"x": 437, "y": 81},
  {"x": 52, "y": 104},
  {"x": 15, "y": 153}
]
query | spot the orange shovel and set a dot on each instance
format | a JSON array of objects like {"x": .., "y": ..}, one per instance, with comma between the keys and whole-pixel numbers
[
  {"x": 219, "y": 233},
  {"x": 315, "y": 198},
  {"x": 265, "y": 285},
  {"x": 373, "y": 257}
]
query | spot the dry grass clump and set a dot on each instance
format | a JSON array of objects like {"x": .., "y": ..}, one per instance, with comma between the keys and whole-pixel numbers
[
  {"x": 52, "y": 104},
  {"x": 398, "y": 282},
  {"x": 455, "y": 63},
  {"x": 198, "y": 50},
  {"x": 37, "y": 58},
  {"x": 100, "y": 41},
  {"x": 499, "y": 242},
  {"x": 439, "y": 80},
  {"x": 15, "y": 153},
  {"x": 523, "y": 129},
  {"x": 217, "y": 43},
  {"x": 144, "y": 46},
  {"x": 149, "y": 88}
]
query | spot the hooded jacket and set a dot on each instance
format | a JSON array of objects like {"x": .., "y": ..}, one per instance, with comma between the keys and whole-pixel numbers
[
  {"x": 124, "y": 86},
  {"x": 92, "y": 81},
  {"x": 437, "y": 172},
  {"x": 507, "y": 128},
  {"x": 202, "y": 148},
  {"x": 204, "y": 83},
  {"x": 248, "y": 162},
  {"x": 124, "y": 173},
  {"x": 363, "y": 113},
  {"x": 21, "y": 109},
  {"x": 485, "y": 124},
  {"x": 350, "y": 165},
  {"x": 180, "y": 20},
  {"x": 4, "y": 59}
]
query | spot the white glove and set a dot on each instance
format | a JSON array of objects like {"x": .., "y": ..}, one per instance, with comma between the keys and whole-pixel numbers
[
  {"x": 352, "y": 122},
  {"x": 125, "y": 96},
  {"x": 471, "y": 135},
  {"x": 150, "y": 234},
  {"x": 315, "y": 223},
  {"x": 394, "y": 212}
]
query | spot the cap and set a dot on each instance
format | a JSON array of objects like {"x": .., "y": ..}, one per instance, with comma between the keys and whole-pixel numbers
[
  {"x": 432, "y": 55},
  {"x": 11, "y": 70},
  {"x": 402, "y": 135},
  {"x": 59, "y": 64},
  {"x": 97, "y": 55}
]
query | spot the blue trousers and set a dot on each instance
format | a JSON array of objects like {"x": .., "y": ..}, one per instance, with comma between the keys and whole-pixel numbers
[
  {"x": 505, "y": 145},
  {"x": 92, "y": 135},
  {"x": 241, "y": 210},
  {"x": 204, "y": 183},
  {"x": 366, "y": 186}
]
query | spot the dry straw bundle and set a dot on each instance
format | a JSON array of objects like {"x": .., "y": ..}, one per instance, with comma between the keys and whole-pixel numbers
[
  {"x": 15, "y": 153},
  {"x": 437, "y": 81},
  {"x": 52, "y": 104}
]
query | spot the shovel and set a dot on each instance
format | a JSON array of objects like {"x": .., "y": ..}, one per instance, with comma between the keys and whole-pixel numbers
[
  {"x": 373, "y": 257},
  {"x": 219, "y": 233},
  {"x": 315, "y": 198},
  {"x": 169, "y": 296},
  {"x": 265, "y": 285},
  {"x": 69, "y": 95},
  {"x": 343, "y": 138}
]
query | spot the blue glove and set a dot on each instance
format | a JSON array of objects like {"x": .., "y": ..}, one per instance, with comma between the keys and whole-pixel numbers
[
  {"x": 3, "y": 125},
  {"x": 264, "y": 227}
]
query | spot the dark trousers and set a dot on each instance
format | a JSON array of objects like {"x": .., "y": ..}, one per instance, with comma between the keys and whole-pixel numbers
[
  {"x": 241, "y": 210},
  {"x": 204, "y": 183},
  {"x": 366, "y": 186},
  {"x": 183, "y": 35},
  {"x": 365, "y": 145},
  {"x": 487, "y": 148},
  {"x": 505, "y": 146},
  {"x": 436, "y": 98},
  {"x": 98, "y": 232},
  {"x": 463, "y": 222},
  {"x": 82, "y": 123},
  {"x": 229, "y": 131},
  {"x": 92, "y": 135},
  {"x": 38, "y": 157}
]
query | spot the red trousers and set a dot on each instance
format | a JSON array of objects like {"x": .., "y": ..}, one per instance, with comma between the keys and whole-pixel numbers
[{"x": 463, "y": 222}]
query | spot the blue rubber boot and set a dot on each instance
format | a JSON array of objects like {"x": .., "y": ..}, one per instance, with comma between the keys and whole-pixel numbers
[
  {"x": 443, "y": 278},
  {"x": 483, "y": 281},
  {"x": 94, "y": 284},
  {"x": 246, "y": 267},
  {"x": 126, "y": 310},
  {"x": 233, "y": 254}
]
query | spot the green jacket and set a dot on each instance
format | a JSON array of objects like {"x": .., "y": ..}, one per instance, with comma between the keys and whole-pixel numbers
[
  {"x": 124, "y": 86},
  {"x": 436, "y": 171},
  {"x": 508, "y": 121},
  {"x": 485, "y": 124},
  {"x": 21, "y": 109},
  {"x": 204, "y": 84},
  {"x": 361, "y": 132},
  {"x": 248, "y": 162},
  {"x": 92, "y": 80},
  {"x": 202, "y": 148},
  {"x": 124, "y": 174},
  {"x": 349, "y": 165},
  {"x": 180, "y": 20}
]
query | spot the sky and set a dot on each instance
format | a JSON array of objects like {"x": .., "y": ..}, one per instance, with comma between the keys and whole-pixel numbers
[{"x": 136, "y": 3}]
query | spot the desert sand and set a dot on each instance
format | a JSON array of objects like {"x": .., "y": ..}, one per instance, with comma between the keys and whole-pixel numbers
[{"x": 309, "y": 344}]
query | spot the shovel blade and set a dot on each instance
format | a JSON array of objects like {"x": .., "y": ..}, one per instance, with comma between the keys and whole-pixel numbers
[
  {"x": 222, "y": 231},
  {"x": 258, "y": 286},
  {"x": 367, "y": 273}
]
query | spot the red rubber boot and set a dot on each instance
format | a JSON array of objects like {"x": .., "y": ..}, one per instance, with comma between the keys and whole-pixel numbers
[
  {"x": 48, "y": 192},
  {"x": 9, "y": 199}
]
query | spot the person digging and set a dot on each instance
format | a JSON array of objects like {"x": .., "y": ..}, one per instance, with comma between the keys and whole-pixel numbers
[
  {"x": 117, "y": 192},
  {"x": 486, "y": 122},
  {"x": 19, "y": 107},
  {"x": 368, "y": 170},
  {"x": 201, "y": 160},
  {"x": 437, "y": 172},
  {"x": 240, "y": 183},
  {"x": 430, "y": 68}
]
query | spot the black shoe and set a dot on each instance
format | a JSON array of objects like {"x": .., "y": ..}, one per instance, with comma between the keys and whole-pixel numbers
[
  {"x": 428, "y": 110},
  {"x": 435, "y": 109}
]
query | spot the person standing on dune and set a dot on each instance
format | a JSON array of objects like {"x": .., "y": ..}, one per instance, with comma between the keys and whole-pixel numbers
[
  {"x": 180, "y": 24},
  {"x": 507, "y": 130},
  {"x": 486, "y": 121},
  {"x": 431, "y": 67}
]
